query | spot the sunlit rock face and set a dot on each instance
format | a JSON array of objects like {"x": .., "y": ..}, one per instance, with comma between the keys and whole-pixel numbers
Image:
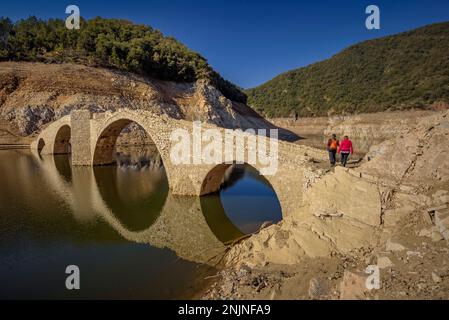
[
  {"x": 350, "y": 209},
  {"x": 34, "y": 94},
  {"x": 417, "y": 157}
]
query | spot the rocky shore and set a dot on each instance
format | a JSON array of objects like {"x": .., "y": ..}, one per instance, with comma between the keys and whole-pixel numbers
[{"x": 390, "y": 212}]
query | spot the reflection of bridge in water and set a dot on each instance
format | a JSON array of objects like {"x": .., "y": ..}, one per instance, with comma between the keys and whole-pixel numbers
[{"x": 181, "y": 225}]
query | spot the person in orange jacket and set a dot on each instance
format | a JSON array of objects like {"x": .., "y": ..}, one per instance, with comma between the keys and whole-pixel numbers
[
  {"x": 332, "y": 146},
  {"x": 345, "y": 150}
]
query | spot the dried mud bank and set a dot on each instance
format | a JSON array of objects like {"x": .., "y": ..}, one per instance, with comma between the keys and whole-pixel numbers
[{"x": 392, "y": 212}]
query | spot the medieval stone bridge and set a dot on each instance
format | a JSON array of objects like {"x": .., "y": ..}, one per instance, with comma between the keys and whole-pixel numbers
[{"x": 91, "y": 139}]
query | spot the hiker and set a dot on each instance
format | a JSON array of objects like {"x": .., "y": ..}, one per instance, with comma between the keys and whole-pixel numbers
[
  {"x": 332, "y": 146},
  {"x": 345, "y": 150}
]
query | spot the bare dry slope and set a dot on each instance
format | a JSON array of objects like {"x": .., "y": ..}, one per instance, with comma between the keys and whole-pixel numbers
[
  {"x": 392, "y": 211},
  {"x": 34, "y": 94}
]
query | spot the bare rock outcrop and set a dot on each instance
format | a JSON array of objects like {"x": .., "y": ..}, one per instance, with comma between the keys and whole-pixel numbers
[
  {"x": 35, "y": 94},
  {"x": 350, "y": 209}
]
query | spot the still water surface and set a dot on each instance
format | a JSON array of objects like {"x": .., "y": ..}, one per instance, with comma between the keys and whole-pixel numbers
[{"x": 130, "y": 237}]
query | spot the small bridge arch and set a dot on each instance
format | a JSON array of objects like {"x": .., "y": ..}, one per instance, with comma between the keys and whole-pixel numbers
[
  {"x": 62, "y": 143},
  {"x": 40, "y": 145},
  {"x": 55, "y": 138}
]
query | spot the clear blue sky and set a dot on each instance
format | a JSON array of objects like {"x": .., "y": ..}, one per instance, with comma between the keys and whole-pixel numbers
[{"x": 251, "y": 41}]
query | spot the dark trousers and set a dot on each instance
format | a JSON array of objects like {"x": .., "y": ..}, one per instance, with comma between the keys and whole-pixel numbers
[
  {"x": 333, "y": 156},
  {"x": 344, "y": 158}
]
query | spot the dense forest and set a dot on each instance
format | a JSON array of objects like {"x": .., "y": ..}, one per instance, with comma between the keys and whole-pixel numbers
[
  {"x": 109, "y": 43},
  {"x": 408, "y": 70}
]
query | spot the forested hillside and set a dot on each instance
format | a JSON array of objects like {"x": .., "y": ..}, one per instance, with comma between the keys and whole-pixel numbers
[
  {"x": 109, "y": 43},
  {"x": 408, "y": 70}
]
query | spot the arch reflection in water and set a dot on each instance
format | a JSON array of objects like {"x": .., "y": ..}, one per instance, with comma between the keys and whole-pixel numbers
[
  {"x": 136, "y": 196},
  {"x": 176, "y": 223},
  {"x": 48, "y": 222},
  {"x": 244, "y": 202},
  {"x": 63, "y": 165},
  {"x": 135, "y": 200}
]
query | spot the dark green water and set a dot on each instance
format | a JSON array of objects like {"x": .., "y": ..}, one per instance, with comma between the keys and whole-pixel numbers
[{"x": 129, "y": 236}]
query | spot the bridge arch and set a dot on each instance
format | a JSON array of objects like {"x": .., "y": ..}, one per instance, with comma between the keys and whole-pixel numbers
[
  {"x": 219, "y": 175},
  {"x": 108, "y": 132},
  {"x": 62, "y": 144},
  {"x": 104, "y": 146},
  {"x": 106, "y": 142},
  {"x": 40, "y": 145},
  {"x": 214, "y": 179}
]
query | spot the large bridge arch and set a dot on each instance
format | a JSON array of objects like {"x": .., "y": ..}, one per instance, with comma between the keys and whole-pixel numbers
[
  {"x": 109, "y": 128},
  {"x": 106, "y": 142}
]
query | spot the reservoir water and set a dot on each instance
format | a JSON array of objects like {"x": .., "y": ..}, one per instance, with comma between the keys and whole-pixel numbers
[{"x": 129, "y": 236}]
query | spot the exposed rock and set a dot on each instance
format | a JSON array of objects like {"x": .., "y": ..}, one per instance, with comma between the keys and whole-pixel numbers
[
  {"x": 394, "y": 246},
  {"x": 356, "y": 199},
  {"x": 384, "y": 262},
  {"x": 442, "y": 222},
  {"x": 436, "y": 278},
  {"x": 425, "y": 233},
  {"x": 379, "y": 209},
  {"x": 318, "y": 288},
  {"x": 441, "y": 196},
  {"x": 417, "y": 158},
  {"x": 436, "y": 236},
  {"x": 353, "y": 286},
  {"x": 34, "y": 94}
]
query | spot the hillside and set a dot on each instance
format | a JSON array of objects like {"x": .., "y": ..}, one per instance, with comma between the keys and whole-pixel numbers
[
  {"x": 404, "y": 71},
  {"x": 109, "y": 43},
  {"x": 34, "y": 94}
]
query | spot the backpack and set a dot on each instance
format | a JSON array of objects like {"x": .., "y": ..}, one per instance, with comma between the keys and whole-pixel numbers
[{"x": 333, "y": 144}]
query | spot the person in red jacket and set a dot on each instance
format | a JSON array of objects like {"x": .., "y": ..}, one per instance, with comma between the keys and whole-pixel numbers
[{"x": 345, "y": 150}]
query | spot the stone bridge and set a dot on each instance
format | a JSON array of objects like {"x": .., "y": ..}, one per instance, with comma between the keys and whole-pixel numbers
[{"x": 91, "y": 139}]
